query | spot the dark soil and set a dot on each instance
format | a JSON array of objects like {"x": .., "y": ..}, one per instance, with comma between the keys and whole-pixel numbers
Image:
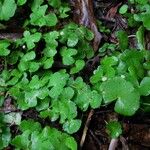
[{"x": 136, "y": 131}]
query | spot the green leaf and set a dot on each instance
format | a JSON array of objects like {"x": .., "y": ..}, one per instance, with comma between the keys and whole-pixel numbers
[
  {"x": 106, "y": 70},
  {"x": 64, "y": 108},
  {"x": 5, "y": 75},
  {"x": 78, "y": 83},
  {"x": 39, "y": 18},
  {"x": 128, "y": 104},
  {"x": 71, "y": 143},
  {"x": 140, "y": 38},
  {"x": 146, "y": 65},
  {"x": 132, "y": 22},
  {"x": 72, "y": 40},
  {"x": 2, "y": 98},
  {"x": 144, "y": 87},
  {"x": 22, "y": 66},
  {"x": 97, "y": 75},
  {"x": 96, "y": 99},
  {"x": 45, "y": 78},
  {"x": 5, "y": 137},
  {"x": 57, "y": 82},
  {"x": 108, "y": 66},
  {"x": 52, "y": 114},
  {"x": 79, "y": 65},
  {"x": 13, "y": 81},
  {"x": 14, "y": 57},
  {"x": 67, "y": 110},
  {"x": 13, "y": 118},
  {"x": 67, "y": 31},
  {"x": 41, "y": 141},
  {"x": 117, "y": 89},
  {"x": 29, "y": 56},
  {"x": 146, "y": 21},
  {"x": 72, "y": 126},
  {"x": 109, "y": 61},
  {"x": 35, "y": 83},
  {"x": 33, "y": 66},
  {"x": 51, "y": 19},
  {"x": 38, "y": 15},
  {"x": 142, "y": 2},
  {"x": 63, "y": 10},
  {"x": 21, "y": 2},
  {"x": 114, "y": 129},
  {"x": 114, "y": 88},
  {"x": 54, "y": 3},
  {"x": 31, "y": 98},
  {"x": 123, "y": 39},
  {"x": 67, "y": 93},
  {"x": 83, "y": 98},
  {"x": 4, "y": 51},
  {"x": 22, "y": 141},
  {"x": 123, "y": 9},
  {"x": 50, "y": 51},
  {"x": 51, "y": 38},
  {"x": 87, "y": 33},
  {"x": 107, "y": 47},
  {"x": 133, "y": 60},
  {"x": 2, "y": 82},
  {"x": 36, "y": 4},
  {"x": 30, "y": 125},
  {"x": 7, "y": 9},
  {"x": 46, "y": 138},
  {"x": 43, "y": 93},
  {"x": 48, "y": 63},
  {"x": 67, "y": 54},
  {"x": 31, "y": 39},
  {"x": 58, "y": 138},
  {"x": 43, "y": 105}
]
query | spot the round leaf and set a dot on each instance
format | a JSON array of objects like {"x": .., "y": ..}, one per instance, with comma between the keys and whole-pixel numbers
[
  {"x": 72, "y": 126},
  {"x": 7, "y": 9},
  {"x": 123, "y": 9},
  {"x": 114, "y": 129},
  {"x": 144, "y": 88},
  {"x": 72, "y": 40},
  {"x": 79, "y": 64},
  {"x": 71, "y": 143},
  {"x": 128, "y": 104}
]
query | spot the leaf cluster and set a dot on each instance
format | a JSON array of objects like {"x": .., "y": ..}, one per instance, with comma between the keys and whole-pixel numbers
[
  {"x": 34, "y": 137},
  {"x": 123, "y": 78},
  {"x": 31, "y": 78}
]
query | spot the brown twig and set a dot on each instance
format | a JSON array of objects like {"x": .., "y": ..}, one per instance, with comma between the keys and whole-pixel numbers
[
  {"x": 10, "y": 36},
  {"x": 83, "y": 14},
  {"x": 86, "y": 128},
  {"x": 103, "y": 111},
  {"x": 113, "y": 144},
  {"x": 9, "y": 110},
  {"x": 124, "y": 143}
]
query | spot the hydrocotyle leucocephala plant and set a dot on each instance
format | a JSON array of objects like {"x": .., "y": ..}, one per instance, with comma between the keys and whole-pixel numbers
[{"x": 42, "y": 71}]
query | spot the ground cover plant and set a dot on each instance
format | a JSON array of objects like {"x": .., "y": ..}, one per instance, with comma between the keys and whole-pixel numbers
[{"x": 51, "y": 74}]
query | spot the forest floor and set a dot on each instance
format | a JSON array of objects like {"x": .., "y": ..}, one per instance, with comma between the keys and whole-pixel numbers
[{"x": 93, "y": 134}]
